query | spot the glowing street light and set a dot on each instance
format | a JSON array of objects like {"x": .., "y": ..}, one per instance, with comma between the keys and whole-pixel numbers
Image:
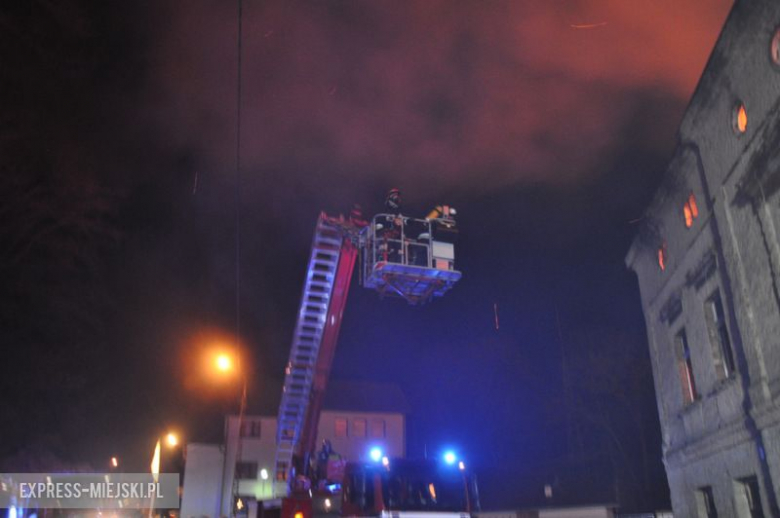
[
  {"x": 171, "y": 440},
  {"x": 223, "y": 363},
  {"x": 114, "y": 462}
]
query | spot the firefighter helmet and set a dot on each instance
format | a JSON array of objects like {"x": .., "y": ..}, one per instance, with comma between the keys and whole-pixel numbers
[{"x": 393, "y": 200}]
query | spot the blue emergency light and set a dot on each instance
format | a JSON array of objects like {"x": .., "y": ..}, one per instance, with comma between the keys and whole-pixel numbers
[
  {"x": 375, "y": 454},
  {"x": 450, "y": 457}
]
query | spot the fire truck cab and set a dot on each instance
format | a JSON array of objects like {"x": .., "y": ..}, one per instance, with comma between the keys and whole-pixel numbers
[
  {"x": 392, "y": 488},
  {"x": 403, "y": 487}
]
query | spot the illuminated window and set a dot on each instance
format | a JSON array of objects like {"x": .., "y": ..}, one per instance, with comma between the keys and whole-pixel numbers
[
  {"x": 774, "y": 48},
  {"x": 377, "y": 428},
  {"x": 740, "y": 119},
  {"x": 690, "y": 210},
  {"x": 722, "y": 356},
  {"x": 662, "y": 257},
  {"x": 359, "y": 428},
  {"x": 341, "y": 427},
  {"x": 685, "y": 368}
]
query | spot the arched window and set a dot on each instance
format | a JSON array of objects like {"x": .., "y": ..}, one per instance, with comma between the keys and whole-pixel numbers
[
  {"x": 690, "y": 210},
  {"x": 739, "y": 118}
]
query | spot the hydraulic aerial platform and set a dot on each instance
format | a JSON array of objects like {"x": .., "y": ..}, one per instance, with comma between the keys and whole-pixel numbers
[{"x": 406, "y": 257}]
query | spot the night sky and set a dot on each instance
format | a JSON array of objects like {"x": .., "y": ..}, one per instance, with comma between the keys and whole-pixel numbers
[{"x": 546, "y": 124}]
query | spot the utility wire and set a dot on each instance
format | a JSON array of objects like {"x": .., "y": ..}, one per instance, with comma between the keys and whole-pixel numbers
[
  {"x": 238, "y": 176},
  {"x": 242, "y": 364}
]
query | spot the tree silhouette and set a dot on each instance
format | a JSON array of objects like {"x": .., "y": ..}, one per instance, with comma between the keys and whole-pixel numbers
[
  {"x": 57, "y": 219},
  {"x": 603, "y": 404}
]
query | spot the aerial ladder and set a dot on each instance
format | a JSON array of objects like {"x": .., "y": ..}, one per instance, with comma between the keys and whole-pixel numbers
[
  {"x": 334, "y": 251},
  {"x": 399, "y": 256}
]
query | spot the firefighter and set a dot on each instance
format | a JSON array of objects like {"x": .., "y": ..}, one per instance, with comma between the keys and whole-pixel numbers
[
  {"x": 442, "y": 219},
  {"x": 325, "y": 455},
  {"x": 393, "y": 201},
  {"x": 442, "y": 212},
  {"x": 389, "y": 228}
]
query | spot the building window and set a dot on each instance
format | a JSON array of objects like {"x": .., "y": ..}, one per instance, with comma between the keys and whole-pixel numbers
[
  {"x": 690, "y": 211},
  {"x": 250, "y": 428},
  {"x": 685, "y": 368},
  {"x": 705, "y": 503},
  {"x": 359, "y": 428},
  {"x": 377, "y": 428},
  {"x": 341, "y": 427},
  {"x": 739, "y": 118},
  {"x": 662, "y": 257},
  {"x": 246, "y": 470},
  {"x": 720, "y": 342},
  {"x": 774, "y": 48},
  {"x": 748, "y": 498}
]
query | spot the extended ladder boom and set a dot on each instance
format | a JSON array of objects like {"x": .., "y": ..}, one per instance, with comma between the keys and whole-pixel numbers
[{"x": 325, "y": 291}]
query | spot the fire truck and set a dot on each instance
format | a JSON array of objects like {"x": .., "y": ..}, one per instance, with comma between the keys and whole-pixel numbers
[{"x": 398, "y": 256}]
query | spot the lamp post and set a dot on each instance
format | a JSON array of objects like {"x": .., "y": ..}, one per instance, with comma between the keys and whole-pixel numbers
[
  {"x": 226, "y": 363},
  {"x": 241, "y": 412}
]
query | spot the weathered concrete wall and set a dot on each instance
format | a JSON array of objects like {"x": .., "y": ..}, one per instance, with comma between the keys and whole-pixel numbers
[{"x": 732, "y": 430}]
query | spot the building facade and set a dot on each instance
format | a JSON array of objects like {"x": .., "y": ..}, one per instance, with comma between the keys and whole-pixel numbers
[
  {"x": 707, "y": 258},
  {"x": 347, "y": 422}
]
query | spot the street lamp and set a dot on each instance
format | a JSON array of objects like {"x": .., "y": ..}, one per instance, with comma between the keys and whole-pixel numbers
[
  {"x": 171, "y": 440},
  {"x": 227, "y": 363},
  {"x": 223, "y": 363},
  {"x": 241, "y": 412}
]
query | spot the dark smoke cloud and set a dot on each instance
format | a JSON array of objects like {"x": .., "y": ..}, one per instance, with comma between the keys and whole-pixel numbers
[{"x": 465, "y": 94}]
